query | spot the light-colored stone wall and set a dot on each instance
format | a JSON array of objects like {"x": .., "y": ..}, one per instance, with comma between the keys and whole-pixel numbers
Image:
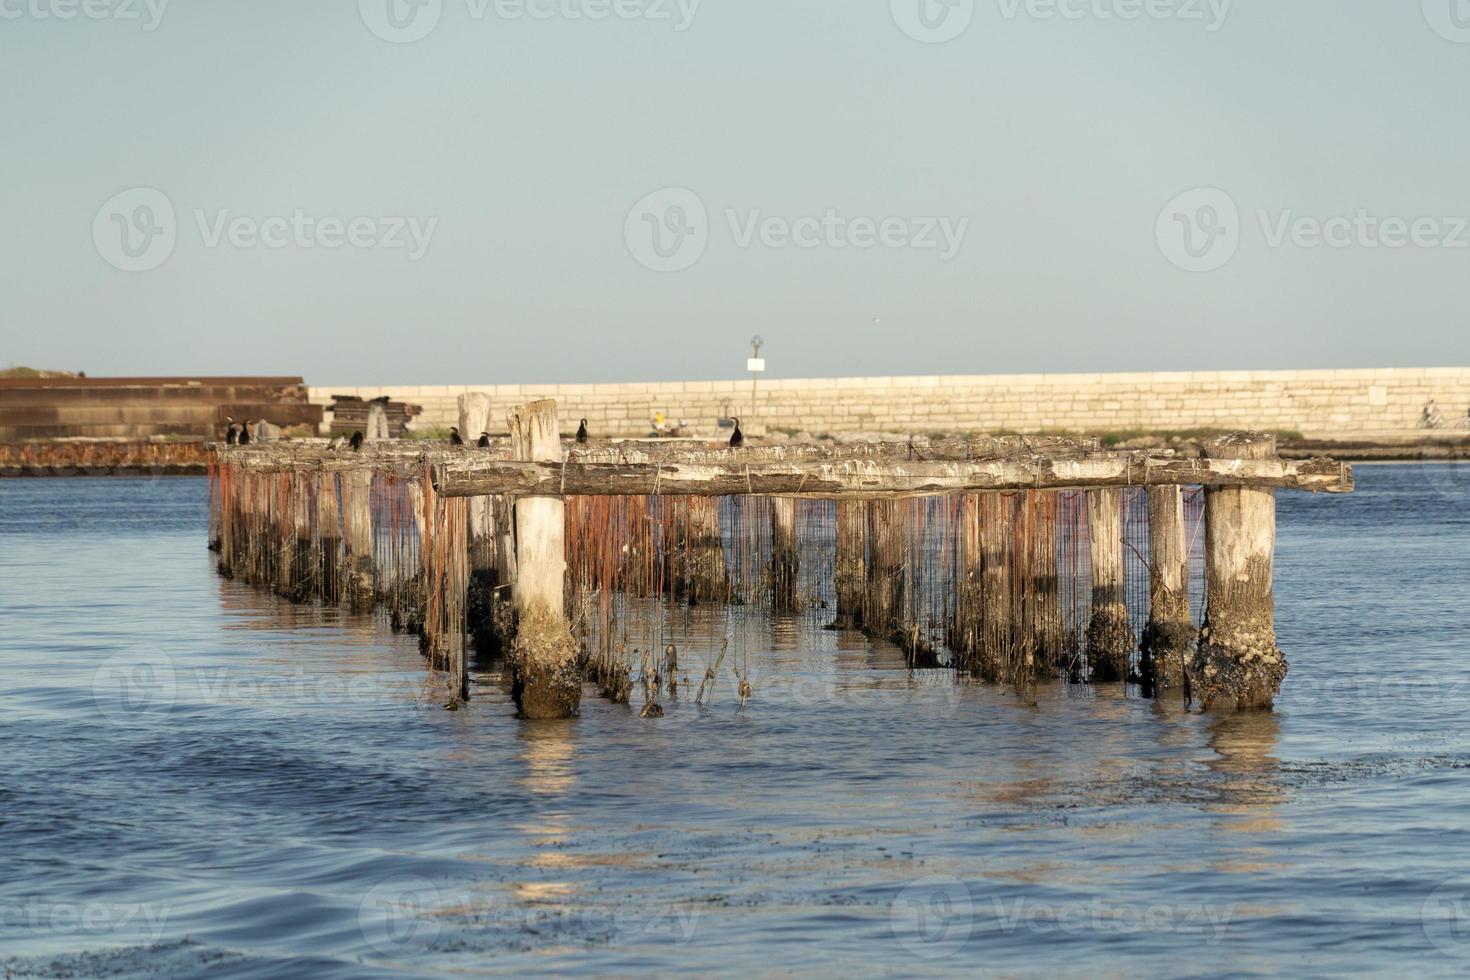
[{"x": 1318, "y": 404}]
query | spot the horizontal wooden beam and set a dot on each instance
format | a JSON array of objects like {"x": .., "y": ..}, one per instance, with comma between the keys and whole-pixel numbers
[{"x": 860, "y": 478}]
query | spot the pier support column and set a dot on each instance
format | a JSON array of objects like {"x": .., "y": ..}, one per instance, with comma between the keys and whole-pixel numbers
[
  {"x": 1109, "y": 637},
  {"x": 886, "y": 556},
  {"x": 706, "y": 550},
  {"x": 850, "y": 573},
  {"x": 1168, "y": 639},
  {"x": 474, "y": 418},
  {"x": 547, "y": 683},
  {"x": 357, "y": 535},
  {"x": 1047, "y": 632},
  {"x": 329, "y": 532},
  {"x": 1238, "y": 665},
  {"x": 303, "y": 513},
  {"x": 966, "y": 629},
  {"x": 785, "y": 560},
  {"x": 997, "y": 555}
]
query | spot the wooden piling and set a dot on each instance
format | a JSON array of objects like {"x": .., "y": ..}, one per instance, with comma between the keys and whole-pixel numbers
[
  {"x": 1048, "y": 635},
  {"x": 1169, "y": 636},
  {"x": 705, "y": 550},
  {"x": 850, "y": 572},
  {"x": 547, "y": 682},
  {"x": 357, "y": 536},
  {"x": 997, "y": 616},
  {"x": 329, "y": 535},
  {"x": 967, "y": 638},
  {"x": 1109, "y": 637},
  {"x": 785, "y": 559},
  {"x": 474, "y": 418},
  {"x": 887, "y": 554},
  {"x": 1238, "y": 665}
]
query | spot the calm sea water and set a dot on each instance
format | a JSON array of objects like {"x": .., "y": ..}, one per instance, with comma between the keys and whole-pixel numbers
[{"x": 200, "y": 779}]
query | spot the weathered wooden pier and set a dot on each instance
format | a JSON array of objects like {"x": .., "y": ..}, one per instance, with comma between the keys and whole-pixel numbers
[{"x": 1007, "y": 559}]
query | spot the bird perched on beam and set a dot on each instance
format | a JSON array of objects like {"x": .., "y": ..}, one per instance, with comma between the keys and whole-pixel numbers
[
  {"x": 484, "y": 442},
  {"x": 336, "y": 444},
  {"x": 454, "y": 437},
  {"x": 737, "y": 438},
  {"x": 582, "y": 433},
  {"x": 356, "y": 442},
  {"x": 232, "y": 434},
  {"x": 244, "y": 438}
]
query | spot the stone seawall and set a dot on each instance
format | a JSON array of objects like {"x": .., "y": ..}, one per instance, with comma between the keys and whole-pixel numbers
[{"x": 1326, "y": 404}]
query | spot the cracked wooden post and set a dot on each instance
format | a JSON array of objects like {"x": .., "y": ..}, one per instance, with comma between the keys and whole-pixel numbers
[
  {"x": 967, "y": 637},
  {"x": 357, "y": 535},
  {"x": 1238, "y": 665},
  {"x": 1168, "y": 639},
  {"x": 283, "y": 515},
  {"x": 229, "y": 488},
  {"x": 1109, "y": 637},
  {"x": 1047, "y": 631},
  {"x": 547, "y": 683},
  {"x": 885, "y": 571},
  {"x": 850, "y": 573},
  {"x": 303, "y": 559},
  {"x": 329, "y": 532},
  {"x": 474, "y": 418},
  {"x": 785, "y": 559},
  {"x": 706, "y": 550},
  {"x": 997, "y": 554}
]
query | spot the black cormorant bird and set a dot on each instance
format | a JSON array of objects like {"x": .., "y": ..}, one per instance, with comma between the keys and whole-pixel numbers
[
  {"x": 582, "y": 433},
  {"x": 244, "y": 439},
  {"x": 484, "y": 442},
  {"x": 737, "y": 438},
  {"x": 356, "y": 442},
  {"x": 454, "y": 438},
  {"x": 232, "y": 434}
]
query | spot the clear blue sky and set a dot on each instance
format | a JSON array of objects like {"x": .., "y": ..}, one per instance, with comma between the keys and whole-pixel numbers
[{"x": 1059, "y": 140}]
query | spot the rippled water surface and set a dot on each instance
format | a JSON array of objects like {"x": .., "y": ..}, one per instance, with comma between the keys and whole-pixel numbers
[{"x": 198, "y": 778}]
